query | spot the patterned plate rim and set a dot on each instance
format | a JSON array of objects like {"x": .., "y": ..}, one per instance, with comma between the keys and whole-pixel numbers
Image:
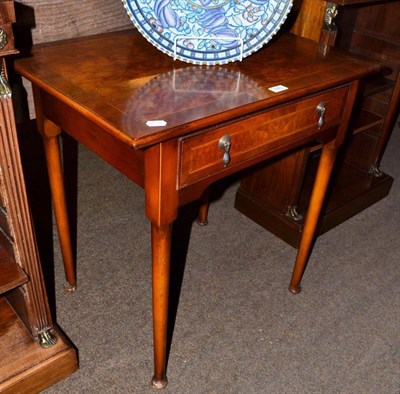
[{"x": 180, "y": 55}]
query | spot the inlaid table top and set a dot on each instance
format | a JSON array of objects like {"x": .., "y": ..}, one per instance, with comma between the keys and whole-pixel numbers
[{"x": 125, "y": 82}]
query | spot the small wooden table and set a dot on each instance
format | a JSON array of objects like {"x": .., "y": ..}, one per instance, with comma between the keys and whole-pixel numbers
[{"x": 174, "y": 128}]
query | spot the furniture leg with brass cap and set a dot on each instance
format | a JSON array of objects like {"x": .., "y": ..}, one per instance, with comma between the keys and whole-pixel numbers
[{"x": 317, "y": 199}]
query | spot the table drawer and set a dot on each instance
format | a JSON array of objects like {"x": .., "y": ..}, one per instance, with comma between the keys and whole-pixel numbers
[{"x": 202, "y": 155}]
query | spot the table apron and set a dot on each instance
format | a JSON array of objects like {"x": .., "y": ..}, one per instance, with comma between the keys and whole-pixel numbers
[{"x": 116, "y": 152}]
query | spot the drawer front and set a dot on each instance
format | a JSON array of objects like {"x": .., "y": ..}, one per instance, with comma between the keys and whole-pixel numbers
[{"x": 202, "y": 155}]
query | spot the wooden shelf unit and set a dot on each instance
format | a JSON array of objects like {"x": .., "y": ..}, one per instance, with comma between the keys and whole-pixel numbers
[
  {"x": 277, "y": 196},
  {"x": 33, "y": 352}
]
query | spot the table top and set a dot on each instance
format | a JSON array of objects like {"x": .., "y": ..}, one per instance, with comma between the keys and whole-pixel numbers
[{"x": 144, "y": 97}]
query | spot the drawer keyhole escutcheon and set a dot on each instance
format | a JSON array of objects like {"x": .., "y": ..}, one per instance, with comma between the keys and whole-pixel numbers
[
  {"x": 225, "y": 145},
  {"x": 321, "y": 109}
]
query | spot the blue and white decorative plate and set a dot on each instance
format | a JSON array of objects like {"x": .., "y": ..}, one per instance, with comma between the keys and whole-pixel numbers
[{"x": 208, "y": 32}]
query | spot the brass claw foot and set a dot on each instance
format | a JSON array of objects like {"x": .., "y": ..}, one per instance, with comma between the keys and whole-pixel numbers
[{"x": 47, "y": 339}]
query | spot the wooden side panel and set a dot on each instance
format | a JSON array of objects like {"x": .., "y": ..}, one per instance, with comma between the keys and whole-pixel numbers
[
  {"x": 57, "y": 20},
  {"x": 310, "y": 19}
]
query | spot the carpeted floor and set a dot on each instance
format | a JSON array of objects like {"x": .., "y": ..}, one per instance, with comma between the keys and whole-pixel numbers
[{"x": 237, "y": 328}]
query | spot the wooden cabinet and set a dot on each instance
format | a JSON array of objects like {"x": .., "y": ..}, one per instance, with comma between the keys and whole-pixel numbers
[
  {"x": 277, "y": 196},
  {"x": 33, "y": 353}
]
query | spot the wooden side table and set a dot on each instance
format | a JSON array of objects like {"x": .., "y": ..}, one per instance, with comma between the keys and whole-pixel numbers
[{"x": 207, "y": 124}]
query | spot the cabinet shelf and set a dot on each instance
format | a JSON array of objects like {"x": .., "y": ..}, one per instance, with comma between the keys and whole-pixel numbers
[
  {"x": 366, "y": 120},
  {"x": 11, "y": 274},
  {"x": 377, "y": 84}
]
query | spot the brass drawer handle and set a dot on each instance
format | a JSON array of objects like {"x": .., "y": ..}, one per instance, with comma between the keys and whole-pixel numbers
[
  {"x": 225, "y": 145},
  {"x": 321, "y": 109}
]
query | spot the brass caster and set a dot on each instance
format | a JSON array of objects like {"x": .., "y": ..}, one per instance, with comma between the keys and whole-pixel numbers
[
  {"x": 293, "y": 214},
  {"x": 201, "y": 222},
  {"x": 375, "y": 171},
  {"x": 294, "y": 289},
  {"x": 69, "y": 288},
  {"x": 47, "y": 339},
  {"x": 159, "y": 384}
]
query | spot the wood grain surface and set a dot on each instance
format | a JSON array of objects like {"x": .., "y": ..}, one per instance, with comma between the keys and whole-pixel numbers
[{"x": 60, "y": 19}]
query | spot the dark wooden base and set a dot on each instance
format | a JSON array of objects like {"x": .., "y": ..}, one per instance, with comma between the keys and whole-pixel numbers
[
  {"x": 25, "y": 367},
  {"x": 353, "y": 192}
]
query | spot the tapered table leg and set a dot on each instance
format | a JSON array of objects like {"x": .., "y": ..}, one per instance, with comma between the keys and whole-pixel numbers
[
  {"x": 326, "y": 163},
  {"x": 202, "y": 219},
  {"x": 54, "y": 166},
  {"x": 161, "y": 248}
]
